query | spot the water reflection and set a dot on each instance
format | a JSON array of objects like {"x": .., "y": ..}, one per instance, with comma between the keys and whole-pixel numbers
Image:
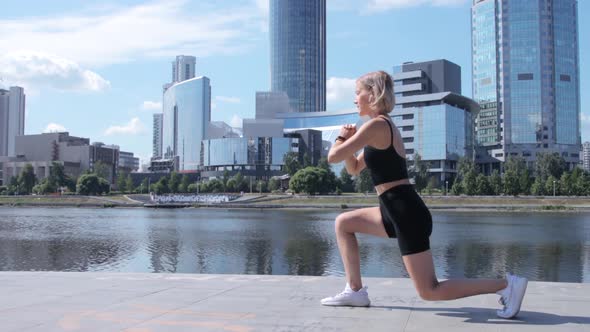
[{"x": 547, "y": 247}]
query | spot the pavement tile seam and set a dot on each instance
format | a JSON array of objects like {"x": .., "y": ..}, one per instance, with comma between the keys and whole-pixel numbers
[{"x": 156, "y": 318}]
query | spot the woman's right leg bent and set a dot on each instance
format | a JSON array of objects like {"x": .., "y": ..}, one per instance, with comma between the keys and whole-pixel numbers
[{"x": 368, "y": 221}]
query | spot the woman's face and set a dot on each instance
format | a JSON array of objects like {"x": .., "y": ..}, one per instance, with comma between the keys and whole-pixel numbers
[{"x": 362, "y": 99}]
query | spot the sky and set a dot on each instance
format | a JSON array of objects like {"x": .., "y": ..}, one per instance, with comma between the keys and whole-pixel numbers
[{"x": 96, "y": 68}]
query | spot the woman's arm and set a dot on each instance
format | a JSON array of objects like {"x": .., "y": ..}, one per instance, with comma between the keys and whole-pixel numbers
[{"x": 344, "y": 151}]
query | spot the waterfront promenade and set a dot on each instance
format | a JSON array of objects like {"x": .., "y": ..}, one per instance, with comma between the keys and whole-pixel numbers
[{"x": 86, "y": 301}]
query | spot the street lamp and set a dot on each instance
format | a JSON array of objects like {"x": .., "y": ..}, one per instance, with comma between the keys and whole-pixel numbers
[
  {"x": 446, "y": 187},
  {"x": 553, "y": 188}
]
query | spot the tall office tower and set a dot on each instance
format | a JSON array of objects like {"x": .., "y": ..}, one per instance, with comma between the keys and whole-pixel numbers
[
  {"x": 298, "y": 52},
  {"x": 183, "y": 68},
  {"x": 585, "y": 158},
  {"x": 157, "y": 136},
  {"x": 268, "y": 104},
  {"x": 526, "y": 78},
  {"x": 12, "y": 118},
  {"x": 187, "y": 113}
]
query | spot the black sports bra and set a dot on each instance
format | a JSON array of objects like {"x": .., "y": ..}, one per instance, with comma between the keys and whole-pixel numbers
[{"x": 385, "y": 165}]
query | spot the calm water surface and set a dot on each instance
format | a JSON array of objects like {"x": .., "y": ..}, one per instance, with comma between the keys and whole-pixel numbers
[{"x": 541, "y": 246}]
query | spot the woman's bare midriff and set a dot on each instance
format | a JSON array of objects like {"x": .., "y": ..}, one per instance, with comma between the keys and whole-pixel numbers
[{"x": 388, "y": 185}]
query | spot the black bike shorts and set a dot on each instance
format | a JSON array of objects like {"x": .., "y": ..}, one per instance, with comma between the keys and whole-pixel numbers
[{"x": 406, "y": 217}]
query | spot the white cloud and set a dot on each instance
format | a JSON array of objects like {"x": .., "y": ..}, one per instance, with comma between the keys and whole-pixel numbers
[
  {"x": 213, "y": 105},
  {"x": 119, "y": 34},
  {"x": 231, "y": 100},
  {"x": 40, "y": 70},
  {"x": 134, "y": 127},
  {"x": 236, "y": 121},
  {"x": 339, "y": 89},
  {"x": 151, "y": 106},
  {"x": 383, "y": 5},
  {"x": 54, "y": 128}
]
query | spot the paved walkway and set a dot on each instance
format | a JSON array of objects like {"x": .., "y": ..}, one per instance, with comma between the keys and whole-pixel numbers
[{"x": 62, "y": 301}]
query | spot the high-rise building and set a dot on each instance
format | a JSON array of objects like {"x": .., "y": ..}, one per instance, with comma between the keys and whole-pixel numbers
[
  {"x": 12, "y": 118},
  {"x": 526, "y": 78},
  {"x": 157, "y": 136},
  {"x": 585, "y": 158},
  {"x": 298, "y": 52},
  {"x": 268, "y": 104},
  {"x": 434, "y": 119},
  {"x": 187, "y": 113},
  {"x": 183, "y": 68}
]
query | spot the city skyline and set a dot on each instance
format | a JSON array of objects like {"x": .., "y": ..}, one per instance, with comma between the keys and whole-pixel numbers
[{"x": 110, "y": 94}]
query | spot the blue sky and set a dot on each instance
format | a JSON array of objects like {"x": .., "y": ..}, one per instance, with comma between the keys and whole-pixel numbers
[{"x": 96, "y": 68}]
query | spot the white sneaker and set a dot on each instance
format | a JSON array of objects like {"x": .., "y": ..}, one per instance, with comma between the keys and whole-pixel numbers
[
  {"x": 348, "y": 297},
  {"x": 513, "y": 296}
]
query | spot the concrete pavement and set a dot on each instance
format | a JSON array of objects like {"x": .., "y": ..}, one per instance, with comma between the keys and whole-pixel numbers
[{"x": 86, "y": 301}]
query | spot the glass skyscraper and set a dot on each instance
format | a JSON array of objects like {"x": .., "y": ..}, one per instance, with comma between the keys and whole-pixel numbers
[
  {"x": 12, "y": 118},
  {"x": 187, "y": 113},
  {"x": 298, "y": 52},
  {"x": 526, "y": 77}
]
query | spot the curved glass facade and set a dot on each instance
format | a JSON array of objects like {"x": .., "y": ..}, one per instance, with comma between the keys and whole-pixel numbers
[
  {"x": 187, "y": 113},
  {"x": 298, "y": 52},
  {"x": 247, "y": 153}
]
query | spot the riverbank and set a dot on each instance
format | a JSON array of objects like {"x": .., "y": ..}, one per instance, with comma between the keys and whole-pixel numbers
[
  {"x": 347, "y": 201},
  {"x": 135, "y": 302}
]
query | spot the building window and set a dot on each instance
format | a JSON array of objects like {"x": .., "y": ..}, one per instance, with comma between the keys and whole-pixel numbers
[
  {"x": 525, "y": 77},
  {"x": 565, "y": 78}
]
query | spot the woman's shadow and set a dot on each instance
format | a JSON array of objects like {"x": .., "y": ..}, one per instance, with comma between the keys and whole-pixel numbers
[{"x": 488, "y": 316}]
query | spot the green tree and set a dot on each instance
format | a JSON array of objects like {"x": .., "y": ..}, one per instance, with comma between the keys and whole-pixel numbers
[
  {"x": 307, "y": 180},
  {"x": 549, "y": 164},
  {"x": 457, "y": 188},
  {"x": 129, "y": 185},
  {"x": 215, "y": 186},
  {"x": 184, "y": 183},
  {"x": 346, "y": 182},
  {"x": 292, "y": 164},
  {"x": 538, "y": 187},
  {"x": 496, "y": 182},
  {"x": 45, "y": 187},
  {"x": 552, "y": 186},
  {"x": 419, "y": 171},
  {"x": 91, "y": 184},
  {"x": 525, "y": 181},
  {"x": 144, "y": 185},
  {"x": 469, "y": 182},
  {"x": 261, "y": 186},
  {"x": 566, "y": 184},
  {"x": 231, "y": 186},
  {"x": 193, "y": 188},
  {"x": 483, "y": 185},
  {"x": 515, "y": 175},
  {"x": 161, "y": 187},
  {"x": 511, "y": 183},
  {"x": 27, "y": 179},
  {"x": 102, "y": 170},
  {"x": 122, "y": 182},
  {"x": 274, "y": 184},
  {"x": 583, "y": 184},
  {"x": 174, "y": 182},
  {"x": 363, "y": 182},
  {"x": 57, "y": 175}
]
